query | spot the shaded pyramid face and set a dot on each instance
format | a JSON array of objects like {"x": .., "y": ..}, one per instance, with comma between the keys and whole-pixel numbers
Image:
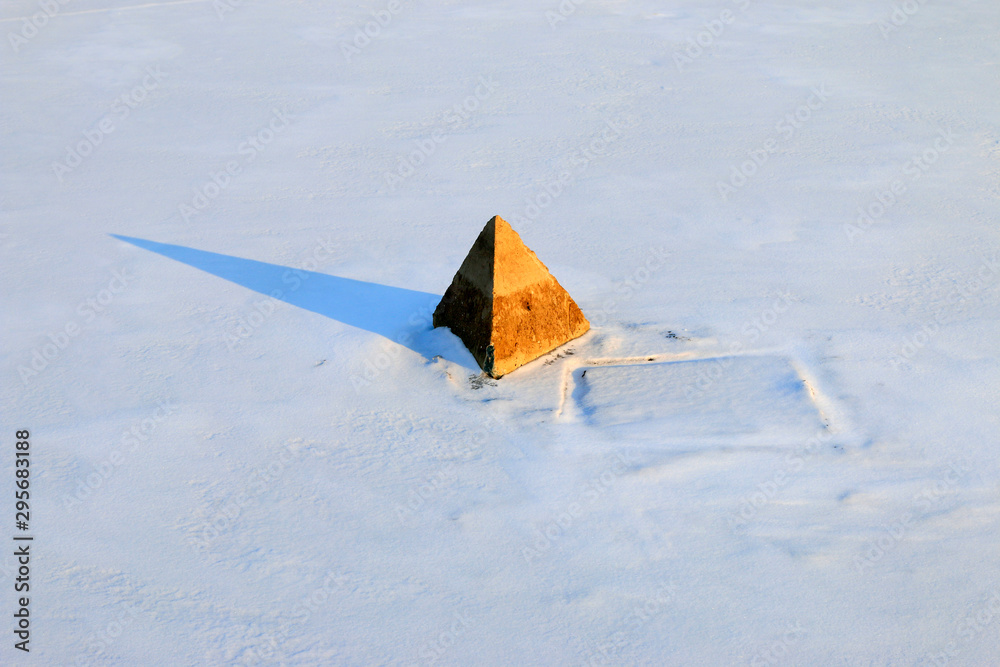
[{"x": 505, "y": 305}]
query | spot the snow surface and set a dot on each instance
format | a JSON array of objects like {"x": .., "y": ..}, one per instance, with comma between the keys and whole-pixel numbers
[{"x": 805, "y": 474}]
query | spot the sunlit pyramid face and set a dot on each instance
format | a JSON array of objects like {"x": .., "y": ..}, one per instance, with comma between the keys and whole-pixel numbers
[{"x": 505, "y": 305}]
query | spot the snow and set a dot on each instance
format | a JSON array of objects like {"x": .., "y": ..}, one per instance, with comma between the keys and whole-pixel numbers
[
  {"x": 250, "y": 447},
  {"x": 724, "y": 398}
]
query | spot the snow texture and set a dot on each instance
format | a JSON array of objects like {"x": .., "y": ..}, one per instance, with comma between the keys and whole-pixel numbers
[{"x": 225, "y": 226}]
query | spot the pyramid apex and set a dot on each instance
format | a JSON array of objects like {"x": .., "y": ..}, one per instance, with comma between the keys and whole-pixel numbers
[{"x": 499, "y": 225}]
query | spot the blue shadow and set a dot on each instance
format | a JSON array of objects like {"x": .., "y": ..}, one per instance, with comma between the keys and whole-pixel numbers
[{"x": 401, "y": 315}]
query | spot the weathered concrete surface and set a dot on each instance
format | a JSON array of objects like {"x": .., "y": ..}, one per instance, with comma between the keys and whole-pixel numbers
[{"x": 505, "y": 305}]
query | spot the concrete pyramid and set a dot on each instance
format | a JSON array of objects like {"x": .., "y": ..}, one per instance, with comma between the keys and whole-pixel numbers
[{"x": 505, "y": 305}]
